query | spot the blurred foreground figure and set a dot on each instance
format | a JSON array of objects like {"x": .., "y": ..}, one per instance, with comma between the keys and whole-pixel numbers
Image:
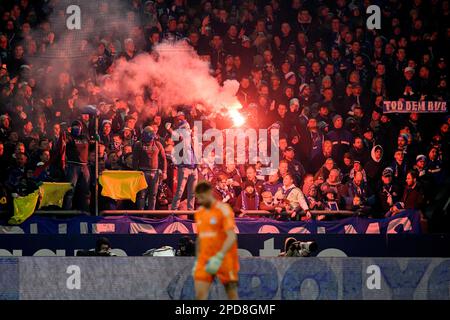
[{"x": 216, "y": 245}]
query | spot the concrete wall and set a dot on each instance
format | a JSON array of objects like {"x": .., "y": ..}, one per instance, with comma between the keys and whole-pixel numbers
[{"x": 260, "y": 278}]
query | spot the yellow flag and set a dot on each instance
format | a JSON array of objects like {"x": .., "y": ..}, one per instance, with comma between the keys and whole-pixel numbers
[
  {"x": 122, "y": 185},
  {"x": 24, "y": 207},
  {"x": 53, "y": 193}
]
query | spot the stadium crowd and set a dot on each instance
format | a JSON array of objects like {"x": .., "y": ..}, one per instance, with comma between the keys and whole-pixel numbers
[{"x": 311, "y": 67}]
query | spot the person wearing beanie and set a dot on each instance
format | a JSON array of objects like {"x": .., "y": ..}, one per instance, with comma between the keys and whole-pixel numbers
[
  {"x": 369, "y": 138},
  {"x": 340, "y": 138},
  {"x": 248, "y": 199},
  {"x": 305, "y": 95},
  {"x": 289, "y": 75},
  {"x": 388, "y": 193},
  {"x": 402, "y": 141},
  {"x": 400, "y": 167},
  {"x": 127, "y": 136},
  {"x": 409, "y": 147},
  {"x": 420, "y": 166},
  {"x": 295, "y": 167},
  {"x": 148, "y": 155}
]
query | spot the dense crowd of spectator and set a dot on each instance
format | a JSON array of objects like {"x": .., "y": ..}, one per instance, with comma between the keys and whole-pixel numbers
[{"x": 312, "y": 67}]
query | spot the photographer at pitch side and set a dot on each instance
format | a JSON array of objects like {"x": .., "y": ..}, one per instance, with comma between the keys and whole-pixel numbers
[{"x": 294, "y": 248}]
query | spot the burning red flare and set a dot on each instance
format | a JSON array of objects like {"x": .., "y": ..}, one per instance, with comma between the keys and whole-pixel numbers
[{"x": 237, "y": 118}]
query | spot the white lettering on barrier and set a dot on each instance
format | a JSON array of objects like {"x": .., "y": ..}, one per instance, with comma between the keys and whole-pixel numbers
[
  {"x": 73, "y": 282},
  {"x": 11, "y": 230},
  {"x": 176, "y": 227},
  {"x": 142, "y": 228},
  {"x": 267, "y": 228},
  {"x": 373, "y": 228},
  {"x": 244, "y": 253},
  {"x": 119, "y": 252},
  {"x": 269, "y": 249},
  {"x": 331, "y": 252},
  {"x": 7, "y": 253},
  {"x": 350, "y": 229},
  {"x": 374, "y": 280},
  {"x": 299, "y": 230},
  {"x": 103, "y": 228},
  {"x": 49, "y": 253},
  {"x": 393, "y": 224}
]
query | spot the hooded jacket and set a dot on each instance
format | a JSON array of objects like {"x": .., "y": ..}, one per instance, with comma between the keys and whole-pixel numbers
[{"x": 374, "y": 167}]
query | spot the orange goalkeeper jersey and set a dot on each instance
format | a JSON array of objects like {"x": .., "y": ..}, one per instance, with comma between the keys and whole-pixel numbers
[{"x": 212, "y": 225}]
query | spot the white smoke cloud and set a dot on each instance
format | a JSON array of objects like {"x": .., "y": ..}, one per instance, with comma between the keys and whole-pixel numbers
[
  {"x": 173, "y": 73},
  {"x": 177, "y": 76}
]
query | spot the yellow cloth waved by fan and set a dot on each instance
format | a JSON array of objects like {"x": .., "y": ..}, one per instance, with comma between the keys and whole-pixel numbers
[
  {"x": 122, "y": 185},
  {"x": 24, "y": 207},
  {"x": 53, "y": 193}
]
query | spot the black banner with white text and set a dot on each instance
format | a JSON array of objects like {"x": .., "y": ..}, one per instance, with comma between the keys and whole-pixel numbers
[{"x": 401, "y": 106}]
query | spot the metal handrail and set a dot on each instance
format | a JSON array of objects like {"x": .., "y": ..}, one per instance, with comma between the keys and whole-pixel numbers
[
  {"x": 332, "y": 213},
  {"x": 147, "y": 212},
  {"x": 55, "y": 212},
  {"x": 191, "y": 212},
  {"x": 176, "y": 212},
  {"x": 61, "y": 212}
]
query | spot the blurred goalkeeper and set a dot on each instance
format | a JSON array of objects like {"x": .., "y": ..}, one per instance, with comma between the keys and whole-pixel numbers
[{"x": 217, "y": 254}]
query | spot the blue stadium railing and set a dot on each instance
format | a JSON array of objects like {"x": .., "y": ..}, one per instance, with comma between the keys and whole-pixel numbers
[
  {"x": 191, "y": 212},
  {"x": 62, "y": 213}
]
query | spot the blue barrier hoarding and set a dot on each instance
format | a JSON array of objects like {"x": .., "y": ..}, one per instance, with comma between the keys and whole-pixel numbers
[
  {"x": 259, "y": 278},
  {"x": 406, "y": 222},
  {"x": 265, "y": 245}
]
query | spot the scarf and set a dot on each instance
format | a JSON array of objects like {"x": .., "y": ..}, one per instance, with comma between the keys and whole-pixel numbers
[
  {"x": 287, "y": 191},
  {"x": 225, "y": 192},
  {"x": 387, "y": 188}
]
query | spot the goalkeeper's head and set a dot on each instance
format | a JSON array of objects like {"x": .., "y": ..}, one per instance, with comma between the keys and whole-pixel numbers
[{"x": 203, "y": 192}]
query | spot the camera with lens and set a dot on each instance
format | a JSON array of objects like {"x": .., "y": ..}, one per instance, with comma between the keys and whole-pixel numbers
[
  {"x": 186, "y": 247},
  {"x": 304, "y": 248},
  {"x": 294, "y": 248}
]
